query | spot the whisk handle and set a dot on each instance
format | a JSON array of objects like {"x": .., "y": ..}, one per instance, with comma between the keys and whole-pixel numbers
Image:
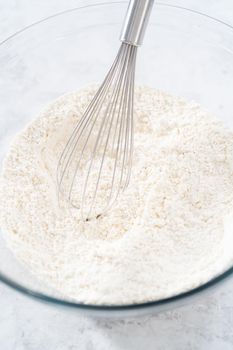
[{"x": 136, "y": 21}]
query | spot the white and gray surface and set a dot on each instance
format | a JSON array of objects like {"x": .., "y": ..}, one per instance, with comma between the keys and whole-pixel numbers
[{"x": 27, "y": 325}]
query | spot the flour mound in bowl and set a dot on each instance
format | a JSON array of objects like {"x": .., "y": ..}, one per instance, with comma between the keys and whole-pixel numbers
[{"x": 168, "y": 232}]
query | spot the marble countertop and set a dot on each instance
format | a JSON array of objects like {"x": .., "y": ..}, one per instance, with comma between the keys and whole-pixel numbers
[{"x": 29, "y": 325}]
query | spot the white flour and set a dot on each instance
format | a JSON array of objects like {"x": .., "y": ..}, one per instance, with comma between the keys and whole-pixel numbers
[{"x": 165, "y": 236}]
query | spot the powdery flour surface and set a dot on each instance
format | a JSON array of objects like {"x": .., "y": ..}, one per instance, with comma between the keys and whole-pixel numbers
[{"x": 166, "y": 235}]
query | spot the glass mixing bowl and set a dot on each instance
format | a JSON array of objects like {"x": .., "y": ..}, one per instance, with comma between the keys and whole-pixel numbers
[{"x": 185, "y": 52}]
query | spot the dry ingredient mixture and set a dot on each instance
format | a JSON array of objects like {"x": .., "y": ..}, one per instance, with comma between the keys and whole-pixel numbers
[{"x": 168, "y": 232}]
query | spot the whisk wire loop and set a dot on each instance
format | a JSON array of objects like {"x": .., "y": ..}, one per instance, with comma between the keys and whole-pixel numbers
[{"x": 102, "y": 142}]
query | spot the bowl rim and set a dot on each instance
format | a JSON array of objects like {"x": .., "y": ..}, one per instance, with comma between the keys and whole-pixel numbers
[
  {"x": 92, "y": 4},
  {"x": 108, "y": 307}
]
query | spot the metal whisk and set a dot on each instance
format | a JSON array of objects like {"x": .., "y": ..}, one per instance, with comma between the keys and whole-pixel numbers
[{"x": 95, "y": 165}]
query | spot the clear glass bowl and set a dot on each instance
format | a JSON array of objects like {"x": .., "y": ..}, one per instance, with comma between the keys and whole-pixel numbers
[{"x": 185, "y": 52}]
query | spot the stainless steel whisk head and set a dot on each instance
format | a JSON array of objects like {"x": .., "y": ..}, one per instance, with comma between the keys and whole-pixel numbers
[{"x": 95, "y": 165}]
